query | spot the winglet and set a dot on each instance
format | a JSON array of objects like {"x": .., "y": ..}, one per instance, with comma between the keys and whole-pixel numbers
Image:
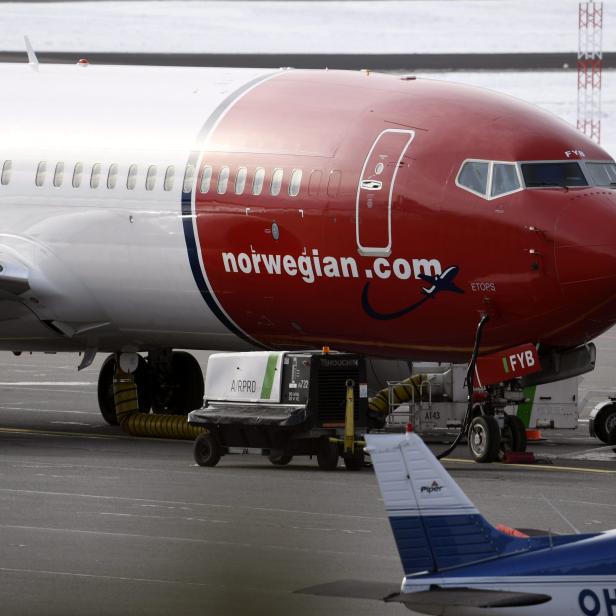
[{"x": 32, "y": 59}]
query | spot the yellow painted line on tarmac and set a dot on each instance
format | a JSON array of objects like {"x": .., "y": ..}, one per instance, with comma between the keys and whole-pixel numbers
[
  {"x": 79, "y": 434},
  {"x": 534, "y": 467},
  {"x": 54, "y": 433},
  {"x": 542, "y": 467}
]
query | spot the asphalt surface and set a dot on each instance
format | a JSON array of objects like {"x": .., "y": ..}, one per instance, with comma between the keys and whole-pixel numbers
[
  {"x": 380, "y": 62},
  {"x": 93, "y": 521}
]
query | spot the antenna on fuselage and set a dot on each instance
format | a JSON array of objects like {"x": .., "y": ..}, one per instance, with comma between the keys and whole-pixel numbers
[{"x": 32, "y": 59}]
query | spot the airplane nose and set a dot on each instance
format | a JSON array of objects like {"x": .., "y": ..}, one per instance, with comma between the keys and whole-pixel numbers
[{"x": 586, "y": 248}]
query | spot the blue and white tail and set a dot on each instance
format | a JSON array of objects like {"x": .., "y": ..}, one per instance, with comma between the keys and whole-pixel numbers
[{"x": 435, "y": 525}]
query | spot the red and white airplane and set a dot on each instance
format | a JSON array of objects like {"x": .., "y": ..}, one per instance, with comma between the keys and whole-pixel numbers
[{"x": 145, "y": 209}]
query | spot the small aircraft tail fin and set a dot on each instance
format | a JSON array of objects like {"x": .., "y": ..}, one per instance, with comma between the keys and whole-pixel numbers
[{"x": 435, "y": 525}]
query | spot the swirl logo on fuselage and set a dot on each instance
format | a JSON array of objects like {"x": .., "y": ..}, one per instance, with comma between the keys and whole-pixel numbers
[{"x": 438, "y": 283}]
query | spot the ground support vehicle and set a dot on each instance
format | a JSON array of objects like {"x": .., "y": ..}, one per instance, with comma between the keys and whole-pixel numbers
[
  {"x": 602, "y": 421},
  {"x": 438, "y": 406},
  {"x": 284, "y": 404},
  {"x": 437, "y": 403}
]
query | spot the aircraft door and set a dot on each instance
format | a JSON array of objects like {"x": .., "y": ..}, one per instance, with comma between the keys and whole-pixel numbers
[{"x": 376, "y": 189}]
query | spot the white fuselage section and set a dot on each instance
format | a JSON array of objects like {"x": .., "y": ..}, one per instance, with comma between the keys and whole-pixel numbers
[{"x": 109, "y": 262}]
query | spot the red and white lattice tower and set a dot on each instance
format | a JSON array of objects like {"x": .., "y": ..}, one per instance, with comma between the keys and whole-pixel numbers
[{"x": 589, "y": 65}]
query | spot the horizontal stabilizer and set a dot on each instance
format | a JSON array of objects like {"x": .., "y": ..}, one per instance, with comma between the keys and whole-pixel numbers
[
  {"x": 436, "y": 597},
  {"x": 353, "y": 589},
  {"x": 466, "y": 597}
]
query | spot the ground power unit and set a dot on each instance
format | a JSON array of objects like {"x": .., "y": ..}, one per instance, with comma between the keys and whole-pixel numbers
[{"x": 284, "y": 404}]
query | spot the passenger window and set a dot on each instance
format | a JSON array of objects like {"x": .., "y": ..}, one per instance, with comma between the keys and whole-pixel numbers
[
  {"x": 95, "y": 177},
  {"x": 276, "y": 183},
  {"x": 602, "y": 174},
  {"x": 6, "y": 172},
  {"x": 541, "y": 175},
  {"x": 150, "y": 179},
  {"x": 504, "y": 179},
  {"x": 240, "y": 180},
  {"x": 333, "y": 185},
  {"x": 112, "y": 176},
  {"x": 189, "y": 174},
  {"x": 131, "y": 178},
  {"x": 206, "y": 179},
  {"x": 474, "y": 176},
  {"x": 259, "y": 179},
  {"x": 295, "y": 183},
  {"x": 223, "y": 180},
  {"x": 77, "y": 173},
  {"x": 58, "y": 175},
  {"x": 41, "y": 170},
  {"x": 169, "y": 175},
  {"x": 314, "y": 185}
]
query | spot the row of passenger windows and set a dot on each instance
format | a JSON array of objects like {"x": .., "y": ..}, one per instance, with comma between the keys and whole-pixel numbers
[
  {"x": 487, "y": 179},
  {"x": 220, "y": 182},
  {"x": 241, "y": 183}
]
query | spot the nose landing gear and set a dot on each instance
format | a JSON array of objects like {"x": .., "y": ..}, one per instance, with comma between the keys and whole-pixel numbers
[
  {"x": 492, "y": 432},
  {"x": 168, "y": 382},
  {"x": 488, "y": 441},
  {"x": 484, "y": 438}
]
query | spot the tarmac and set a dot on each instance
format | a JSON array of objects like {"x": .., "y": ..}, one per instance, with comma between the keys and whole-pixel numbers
[{"x": 92, "y": 520}]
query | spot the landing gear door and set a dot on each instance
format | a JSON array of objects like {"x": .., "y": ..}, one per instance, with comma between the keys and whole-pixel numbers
[{"x": 376, "y": 189}]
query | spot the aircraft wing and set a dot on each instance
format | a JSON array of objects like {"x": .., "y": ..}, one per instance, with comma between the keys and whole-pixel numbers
[
  {"x": 435, "y": 597},
  {"x": 467, "y": 597},
  {"x": 353, "y": 589}
]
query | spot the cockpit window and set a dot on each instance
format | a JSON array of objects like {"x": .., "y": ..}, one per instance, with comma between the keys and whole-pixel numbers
[
  {"x": 504, "y": 179},
  {"x": 542, "y": 175},
  {"x": 489, "y": 179},
  {"x": 602, "y": 174},
  {"x": 474, "y": 176}
]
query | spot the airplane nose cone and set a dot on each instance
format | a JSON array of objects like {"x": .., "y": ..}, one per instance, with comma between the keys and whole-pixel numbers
[{"x": 586, "y": 248}]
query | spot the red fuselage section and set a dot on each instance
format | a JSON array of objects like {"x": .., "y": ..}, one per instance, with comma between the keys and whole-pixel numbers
[{"x": 361, "y": 239}]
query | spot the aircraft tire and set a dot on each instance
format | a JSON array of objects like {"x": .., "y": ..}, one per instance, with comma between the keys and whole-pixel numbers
[
  {"x": 327, "y": 456},
  {"x": 206, "y": 450},
  {"x": 605, "y": 425},
  {"x": 188, "y": 380},
  {"x": 484, "y": 439},
  {"x": 106, "y": 402},
  {"x": 516, "y": 432},
  {"x": 279, "y": 459}
]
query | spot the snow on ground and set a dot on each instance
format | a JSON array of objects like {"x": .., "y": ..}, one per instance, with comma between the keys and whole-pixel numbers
[
  {"x": 418, "y": 26},
  {"x": 555, "y": 91}
]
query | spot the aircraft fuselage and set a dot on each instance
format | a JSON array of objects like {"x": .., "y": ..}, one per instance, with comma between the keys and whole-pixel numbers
[{"x": 234, "y": 208}]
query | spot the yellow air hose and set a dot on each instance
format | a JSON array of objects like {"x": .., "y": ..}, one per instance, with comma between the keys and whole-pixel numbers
[
  {"x": 143, "y": 424},
  {"x": 401, "y": 393}
]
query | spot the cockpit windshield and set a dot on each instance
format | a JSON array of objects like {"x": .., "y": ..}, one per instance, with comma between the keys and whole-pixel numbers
[
  {"x": 491, "y": 179},
  {"x": 602, "y": 174},
  {"x": 564, "y": 174},
  {"x": 488, "y": 179}
]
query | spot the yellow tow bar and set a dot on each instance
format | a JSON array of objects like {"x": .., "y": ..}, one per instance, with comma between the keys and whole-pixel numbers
[{"x": 348, "y": 442}]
